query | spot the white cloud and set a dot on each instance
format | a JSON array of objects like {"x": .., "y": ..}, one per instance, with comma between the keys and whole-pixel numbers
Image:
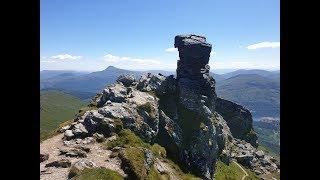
[
  {"x": 65, "y": 57},
  {"x": 137, "y": 63},
  {"x": 171, "y": 50},
  {"x": 264, "y": 45},
  {"x": 47, "y": 61}
]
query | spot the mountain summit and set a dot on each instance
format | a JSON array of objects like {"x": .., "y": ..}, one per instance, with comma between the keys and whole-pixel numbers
[{"x": 183, "y": 115}]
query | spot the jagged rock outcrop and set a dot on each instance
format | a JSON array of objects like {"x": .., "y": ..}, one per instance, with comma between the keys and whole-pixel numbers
[
  {"x": 238, "y": 119},
  {"x": 182, "y": 114},
  {"x": 196, "y": 104}
]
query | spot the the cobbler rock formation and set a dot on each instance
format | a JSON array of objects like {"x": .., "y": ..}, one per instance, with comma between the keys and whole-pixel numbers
[
  {"x": 196, "y": 105},
  {"x": 182, "y": 114}
]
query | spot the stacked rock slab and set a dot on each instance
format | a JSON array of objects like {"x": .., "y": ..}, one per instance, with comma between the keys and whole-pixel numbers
[
  {"x": 193, "y": 77},
  {"x": 196, "y": 105}
]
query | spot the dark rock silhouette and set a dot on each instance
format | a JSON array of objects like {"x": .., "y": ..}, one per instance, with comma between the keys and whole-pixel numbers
[{"x": 238, "y": 119}]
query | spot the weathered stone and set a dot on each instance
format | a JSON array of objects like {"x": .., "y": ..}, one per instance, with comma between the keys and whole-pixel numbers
[
  {"x": 238, "y": 119},
  {"x": 88, "y": 140},
  {"x": 245, "y": 159},
  {"x": 63, "y": 163},
  {"x": 83, "y": 148},
  {"x": 114, "y": 92},
  {"x": 257, "y": 172},
  {"x": 81, "y": 165},
  {"x": 68, "y": 134},
  {"x": 64, "y": 128},
  {"x": 150, "y": 82},
  {"x": 116, "y": 111},
  {"x": 44, "y": 157},
  {"x": 259, "y": 154},
  {"x": 79, "y": 130},
  {"x": 167, "y": 87},
  {"x": 196, "y": 102},
  {"x": 99, "y": 137},
  {"x": 126, "y": 80},
  {"x": 76, "y": 153}
]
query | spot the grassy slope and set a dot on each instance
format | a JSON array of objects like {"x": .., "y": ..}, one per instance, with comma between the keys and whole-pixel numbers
[
  {"x": 56, "y": 107},
  {"x": 232, "y": 172},
  {"x": 268, "y": 136},
  {"x": 259, "y": 94},
  {"x": 98, "y": 173}
]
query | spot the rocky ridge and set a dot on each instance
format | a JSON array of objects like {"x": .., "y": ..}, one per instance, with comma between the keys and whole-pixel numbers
[{"x": 182, "y": 114}]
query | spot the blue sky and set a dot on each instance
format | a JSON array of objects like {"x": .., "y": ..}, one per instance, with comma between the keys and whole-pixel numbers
[{"x": 91, "y": 35}]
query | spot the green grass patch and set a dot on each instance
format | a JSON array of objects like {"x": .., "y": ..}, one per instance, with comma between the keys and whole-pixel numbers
[
  {"x": 126, "y": 138},
  {"x": 133, "y": 158},
  {"x": 83, "y": 110},
  {"x": 228, "y": 172},
  {"x": 232, "y": 172},
  {"x": 158, "y": 151},
  {"x": 56, "y": 108},
  {"x": 98, "y": 174},
  {"x": 251, "y": 175},
  {"x": 180, "y": 173}
]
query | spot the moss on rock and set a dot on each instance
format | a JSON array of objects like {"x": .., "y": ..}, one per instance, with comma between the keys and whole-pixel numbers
[{"x": 97, "y": 173}]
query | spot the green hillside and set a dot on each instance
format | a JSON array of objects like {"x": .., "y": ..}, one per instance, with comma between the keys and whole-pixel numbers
[
  {"x": 259, "y": 94},
  {"x": 56, "y": 107}
]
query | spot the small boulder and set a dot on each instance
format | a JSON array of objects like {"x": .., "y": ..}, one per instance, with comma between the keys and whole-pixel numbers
[
  {"x": 44, "y": 157},
  {"x": 83, "y": 148},
  {"x": 63, "y": 129},
  {"x": 88, "y": 140},
  {"x": 99, "y": 137},
  {"x": 257, "y": 172},
  {"x": 259, "y": 154},
  {"x": 79, "y": 166},
  {"x": 79, "y": 130},
  {"x": 244, "y": 159},
  {"x": 68, "y": 134},
  {"x": 62, "y": 163},
  {"x": 126, "y": 80},
  {"x": 76, "y": 153},
  {"x": 265, "y": 162}
]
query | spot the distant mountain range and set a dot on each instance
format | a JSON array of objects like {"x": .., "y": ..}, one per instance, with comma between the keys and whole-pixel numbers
[{"x": 258, "y": 90}]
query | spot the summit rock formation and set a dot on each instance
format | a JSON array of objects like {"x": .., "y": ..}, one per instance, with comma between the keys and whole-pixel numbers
[{"x": 182, "y": 114}]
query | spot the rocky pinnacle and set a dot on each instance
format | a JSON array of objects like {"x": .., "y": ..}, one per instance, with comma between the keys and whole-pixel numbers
[
  {"x": 196, "y": 96},
  {"x": 195, "y": 85}
]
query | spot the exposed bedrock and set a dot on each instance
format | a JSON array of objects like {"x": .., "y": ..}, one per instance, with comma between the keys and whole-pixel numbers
[{"x": 238, "y": 119}]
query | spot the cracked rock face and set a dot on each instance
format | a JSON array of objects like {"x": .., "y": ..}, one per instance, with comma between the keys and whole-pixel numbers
[{"x": 196, "y": 104}]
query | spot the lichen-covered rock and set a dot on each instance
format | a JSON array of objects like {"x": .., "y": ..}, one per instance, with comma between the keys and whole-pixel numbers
[
  {"x": 127, "y": 79},
  {"x": 136, "y": 162},
  {"x": 73, "y": 152},
  {"x": 167, "y": 87},
  {"x": 150, "y": 82},
  {"x": 170, "y": 134},
  {"x": 114, "y": 93},
  {"x": 79, "y": 166},
  {"x": 196, "y": 105},
  {"x": 62, "y": 163}
]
